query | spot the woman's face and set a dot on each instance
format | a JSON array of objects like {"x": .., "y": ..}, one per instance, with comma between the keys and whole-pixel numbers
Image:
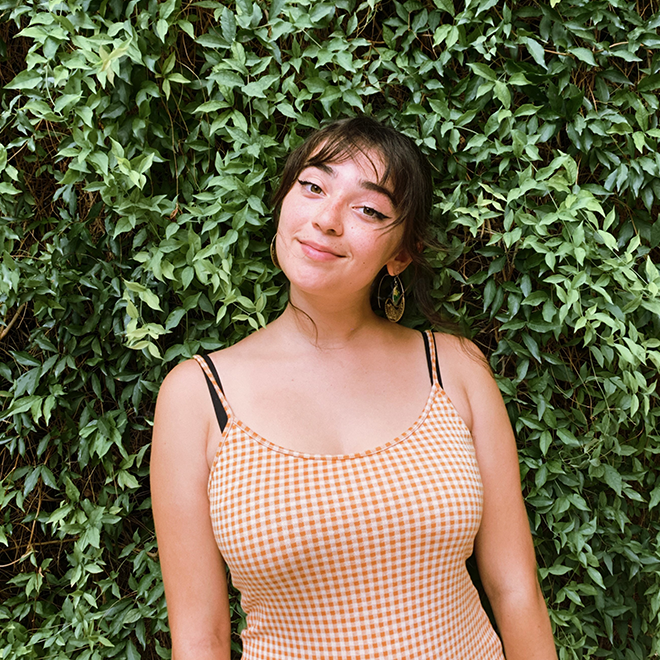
[{"x": 336, "y": 229}]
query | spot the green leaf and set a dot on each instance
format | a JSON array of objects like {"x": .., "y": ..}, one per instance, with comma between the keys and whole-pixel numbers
[
  {"x": 166, "y": 8},
  {"x": 503, "y": 94},
  {"x": 151, "y": 299},
  {"x": 31, "y": 480},
  {"x": 649, "y": 83},
  {"x": 27, "y": 382},
  {"x": 125, "y": 479},
  {"x": 655, "y": 497},
  {"x": 211, "y": 106},
  {"x": 568, "y": 438},
  {"x": 213, "y": 41},
  {"x": 25, "y": 80},
  {"x": 445, "y": 5},
  {"x": 178, "y": 78},
  {"x": 613, "y": 479},
  {"x": 483, "y": 70},
  {"x": 228, "y": 24},
  {"x": 71, "y": 491},
  {"x": 639, "y": 140},
  {"x": 583, "y": 54},
  {"x": 228, "y": 79},
  {"x": 441, "y": 33},
  {"x": 536, "y": 51},
  {"x": 48, "y": 477},
  {"x": 131, "y": 652},
  {"x": 20, "y": 405},
  {"x": 560, "y": 570},
  {"x": 99, "y": 159},
  {"x": 320, "y": 12},
  {"x": 535, "y": 298},
  {"x": 353, "y": 98},
  {"x": 8, "y": 189},
  {"x": 65, "y": 101},
  {"x": 276, "y": 7},
  {"x": 532, "y": 346},
  {"x": 258, "y": 87},
  {"x": 187, "y": 27},
  {"x": 595, "y": 576},
  {"x": 162, "y": 26},
  {"x": 545, "y": 442}
]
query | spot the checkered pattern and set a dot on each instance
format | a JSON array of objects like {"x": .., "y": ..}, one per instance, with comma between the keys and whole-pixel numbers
[{"x": 359, "y": 556}]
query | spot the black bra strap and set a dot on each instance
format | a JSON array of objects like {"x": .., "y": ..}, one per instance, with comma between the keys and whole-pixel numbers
[
  {"x": 214, "y": 371},
  {"x": 220, "y": 412},
  {"x": 437, "y": 361},
  {"x": 427, "y": 349}
]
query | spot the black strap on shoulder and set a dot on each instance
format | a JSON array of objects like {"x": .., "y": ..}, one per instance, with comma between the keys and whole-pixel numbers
[
  {"x": 427, "y": 349},
  {"x": 437, "y": 361},
  {"x": 220, "y": 411}
]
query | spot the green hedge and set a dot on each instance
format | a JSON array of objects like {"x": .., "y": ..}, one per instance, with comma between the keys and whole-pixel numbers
[{"x": 141, "y": 141}]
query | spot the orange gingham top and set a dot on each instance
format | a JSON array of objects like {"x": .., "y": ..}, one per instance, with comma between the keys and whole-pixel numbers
[{"x": 354, "y": 556}]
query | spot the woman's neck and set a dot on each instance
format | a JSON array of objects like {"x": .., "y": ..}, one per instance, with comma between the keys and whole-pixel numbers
[{"x": 326, "y": 325}]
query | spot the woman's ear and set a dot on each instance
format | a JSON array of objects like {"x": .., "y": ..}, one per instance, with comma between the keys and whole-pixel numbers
[{"x": 399, "y": 262}]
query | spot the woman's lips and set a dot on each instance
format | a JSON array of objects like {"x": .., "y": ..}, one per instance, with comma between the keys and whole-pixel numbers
[{"x": 318, "y": 252}]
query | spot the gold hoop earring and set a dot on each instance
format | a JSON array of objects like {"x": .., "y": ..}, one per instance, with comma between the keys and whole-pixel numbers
[
  {"x": 393, "y": 299},
  {"x": 273, "y": 253}
]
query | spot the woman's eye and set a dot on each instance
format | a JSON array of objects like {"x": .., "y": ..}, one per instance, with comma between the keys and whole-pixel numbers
[
  {"x": 372, "y": 213},
  {"x": 312, "y": 187}
]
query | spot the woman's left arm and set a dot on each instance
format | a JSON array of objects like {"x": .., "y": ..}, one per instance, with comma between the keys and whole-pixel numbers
[{"x": 503, "y": 547}]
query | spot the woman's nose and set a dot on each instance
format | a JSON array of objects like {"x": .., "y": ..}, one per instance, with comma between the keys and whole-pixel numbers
[{"x": 329, "y": 217}]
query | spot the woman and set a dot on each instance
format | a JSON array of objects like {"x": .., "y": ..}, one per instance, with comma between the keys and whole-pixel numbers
[{"x": 344, "y": 514}]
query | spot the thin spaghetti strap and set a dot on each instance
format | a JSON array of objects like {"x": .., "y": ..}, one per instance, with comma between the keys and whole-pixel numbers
[
  {"x": 437, "y": 361},
  {"x": 214, "y": 371},
  {"x": 215, "y": 388},
  {"x": 427, "y": 349}
]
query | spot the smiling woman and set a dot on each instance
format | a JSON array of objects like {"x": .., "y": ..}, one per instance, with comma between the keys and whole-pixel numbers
[
  {"x": 337, "y": 229},
  {"x": 344, "y": 467}
]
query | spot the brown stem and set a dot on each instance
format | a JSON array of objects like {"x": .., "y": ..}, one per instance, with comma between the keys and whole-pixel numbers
[{"x": 8, "y": 327}]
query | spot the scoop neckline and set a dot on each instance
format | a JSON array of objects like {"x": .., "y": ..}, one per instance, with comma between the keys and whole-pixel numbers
[{"x": 233, "y": 420}]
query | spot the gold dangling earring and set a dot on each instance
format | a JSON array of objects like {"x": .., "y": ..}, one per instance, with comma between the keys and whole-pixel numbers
[
  {"x": 395, "y": 301},
  {"x": 273, "y": 253}
]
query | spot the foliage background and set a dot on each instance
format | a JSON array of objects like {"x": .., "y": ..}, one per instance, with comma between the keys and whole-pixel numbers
[{"x": 140, "y": 143}]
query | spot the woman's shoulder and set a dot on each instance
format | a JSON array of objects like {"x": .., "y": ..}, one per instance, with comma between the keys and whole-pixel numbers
[
  {"x": 462, "y": 352},
  {"x": 185, "y": 387},
  {"x": 189, "y": 374},
  {"x": 466, "y": 375},
  {"x": 182, "y": 389},
  {"x": 184, "y": 375},
  {"x": 252, "y": 349}
]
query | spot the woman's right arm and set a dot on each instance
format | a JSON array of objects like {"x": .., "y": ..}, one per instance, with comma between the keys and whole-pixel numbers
[{"x": 193, "y": 570}]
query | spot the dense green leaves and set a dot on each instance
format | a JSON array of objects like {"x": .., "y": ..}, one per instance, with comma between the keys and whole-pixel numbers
[{"x": 141, "y": 142}]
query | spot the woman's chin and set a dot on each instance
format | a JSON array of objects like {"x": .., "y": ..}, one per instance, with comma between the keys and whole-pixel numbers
[
  {"x": 311, "y": 276},
  {"x": 313, "y": 288}
]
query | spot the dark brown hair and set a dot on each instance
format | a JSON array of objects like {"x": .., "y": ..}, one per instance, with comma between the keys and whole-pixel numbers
[{"x": 407, "y": 175}]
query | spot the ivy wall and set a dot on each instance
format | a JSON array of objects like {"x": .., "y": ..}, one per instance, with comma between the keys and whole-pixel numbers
[{"x": 140, "y": 143}]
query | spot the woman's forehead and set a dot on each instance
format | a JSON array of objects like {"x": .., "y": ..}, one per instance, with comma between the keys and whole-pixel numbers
[
  {"x": 370, "y": 160},
  {"x": 369, "y": 181}
]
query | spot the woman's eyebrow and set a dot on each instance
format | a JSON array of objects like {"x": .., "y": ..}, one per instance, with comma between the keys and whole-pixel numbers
[
  {"x": 323, "y": 167},
  {"x": 364, "y": 183},
  {"x": 370, "y": 185}
]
